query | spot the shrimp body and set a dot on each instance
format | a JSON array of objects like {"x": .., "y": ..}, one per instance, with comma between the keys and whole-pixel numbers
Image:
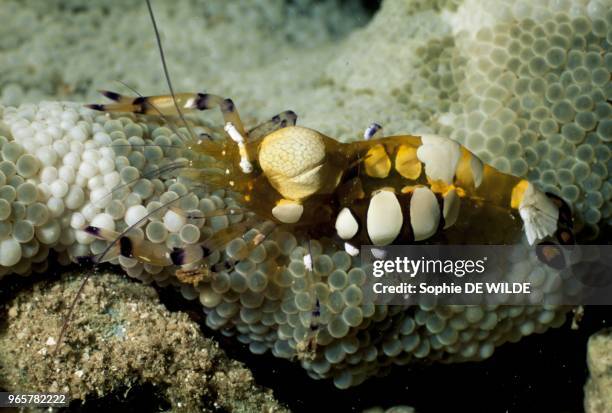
[
  {"x": 398, "y": 189},
  {"x": 376, "y": 191}
]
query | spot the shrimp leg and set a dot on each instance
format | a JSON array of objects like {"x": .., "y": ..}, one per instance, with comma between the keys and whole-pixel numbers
[{"x": 164, "y": 105}]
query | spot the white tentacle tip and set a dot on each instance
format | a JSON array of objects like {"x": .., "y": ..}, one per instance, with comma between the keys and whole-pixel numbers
[{"x": 308, "y": 262}]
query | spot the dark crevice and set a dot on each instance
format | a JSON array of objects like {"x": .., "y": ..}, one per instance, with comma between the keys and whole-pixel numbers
[
  {"x": 542, "y": 372},
  {"x": 371, "y": 6},
  {"x": 142, "y": 398}
]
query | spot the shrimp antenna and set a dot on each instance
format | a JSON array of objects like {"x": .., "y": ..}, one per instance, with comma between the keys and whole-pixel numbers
[
  {"x": 69, "y": 315},
  {"x": 189, "y": 129},
  {"x": 165, "y": 67},
  {"x": 167, "y": 120}
]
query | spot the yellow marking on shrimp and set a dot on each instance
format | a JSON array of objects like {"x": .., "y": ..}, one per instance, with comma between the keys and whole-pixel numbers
[
  {"x": 517, "y": 193},
  {"x": 463, "y": 174},
  {"x": 377, "y": 162},
  {"x": 408, "y": 189},
  {"x": 406, "y": 162}
]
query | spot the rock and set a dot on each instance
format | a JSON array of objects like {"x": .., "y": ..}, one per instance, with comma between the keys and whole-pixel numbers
[
  {"x": 598, "y": 390},
  {"x": 120, "y": 337}
]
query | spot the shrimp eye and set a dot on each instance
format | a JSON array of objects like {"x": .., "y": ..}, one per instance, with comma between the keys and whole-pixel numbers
[{"x": 551, "y": 255}]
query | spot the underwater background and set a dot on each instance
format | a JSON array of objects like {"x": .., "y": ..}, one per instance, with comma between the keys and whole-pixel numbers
[{"x": 525, "y": 85}]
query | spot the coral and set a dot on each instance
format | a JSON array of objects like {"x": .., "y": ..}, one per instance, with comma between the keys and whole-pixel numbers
[
  {"x": 126, "y": 328},
  {"x": 120, "y": 168},
  {"x": 597, "y": 392}
]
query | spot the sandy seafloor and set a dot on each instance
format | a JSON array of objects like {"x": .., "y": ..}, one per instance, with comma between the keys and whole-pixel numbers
[{"x": 324, "y": 60}]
